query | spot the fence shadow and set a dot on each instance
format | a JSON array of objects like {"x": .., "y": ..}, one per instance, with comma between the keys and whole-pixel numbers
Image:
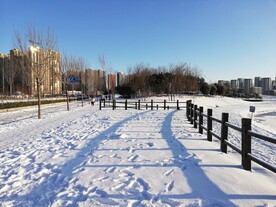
[
  {"x": 196, "y": 178},
  {"x": 45, "y": 193}
]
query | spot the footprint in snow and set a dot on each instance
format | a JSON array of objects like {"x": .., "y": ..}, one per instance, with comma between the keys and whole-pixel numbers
[
  {"x": 133, "y": 158},
  {"x": 169, "y": 172},
  {"x": 143, "y": 184},
  {"x": 119, "y": 186},
  {"x": 169, "y": 186},
  {"x": 150, "y": 144},
  {"x": 110, "y": 169},
  {"x": 101, "y": 178}
]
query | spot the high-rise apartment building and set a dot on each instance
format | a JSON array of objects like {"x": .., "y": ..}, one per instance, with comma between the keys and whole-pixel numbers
[
  {"x": 234, "y": 84},
  {"x": 22, "y": 71},
  {"x": 241, "y": 83},
  {"x": 257, "y": 82},
  {"x": 248, "y": 83},
  {"x": 121, "y": 78},
  {"x": 4, "y": 64},
  {"x": 266, "y": 85}
]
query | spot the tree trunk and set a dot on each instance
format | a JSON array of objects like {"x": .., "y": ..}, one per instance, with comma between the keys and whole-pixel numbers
[
  {"x": 39, "y": 99},
  {"x": 67, "y": 97}
]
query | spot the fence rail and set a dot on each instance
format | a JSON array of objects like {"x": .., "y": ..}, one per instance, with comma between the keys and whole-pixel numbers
[
  {"x": 166, "y": 105},
  {"x": 195, "y": 116}
]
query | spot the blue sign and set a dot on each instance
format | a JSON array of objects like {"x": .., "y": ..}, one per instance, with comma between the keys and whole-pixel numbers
[
  {"x": 73, "y": 79},
  {"x": 252, "y": 109}
]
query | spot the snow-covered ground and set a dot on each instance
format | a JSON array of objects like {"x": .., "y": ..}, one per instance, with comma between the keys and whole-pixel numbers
[{"x": 87, "y": 157}]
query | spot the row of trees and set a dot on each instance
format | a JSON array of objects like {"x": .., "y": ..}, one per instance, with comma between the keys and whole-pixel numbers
[
  {"x": 35, "y": 60},
  {"x": 143, "y": 80},
  {"x": 175, "y": 79},
  {"x": 222, "y": 90}
]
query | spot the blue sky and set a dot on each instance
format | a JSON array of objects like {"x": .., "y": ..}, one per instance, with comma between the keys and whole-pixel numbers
[{"x": 224, "y": 39}]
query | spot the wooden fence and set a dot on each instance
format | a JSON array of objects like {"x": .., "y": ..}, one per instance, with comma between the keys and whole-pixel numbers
[
  {"x": 139, "y": 105},
  {"x": 195, "y": 115}
]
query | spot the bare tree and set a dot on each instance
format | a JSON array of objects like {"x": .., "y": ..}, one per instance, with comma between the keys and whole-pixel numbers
[
  {"x": 37, "y": 46},
  {"x": 10, "y": 74},
  {"x": 80, "y": 67},
  {"x": 72, "y": 73},
  {"x": 65, "y": 68},
  {"x": 108, "y": 70}
]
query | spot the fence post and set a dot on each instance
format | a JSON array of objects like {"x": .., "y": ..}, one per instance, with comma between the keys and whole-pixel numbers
[
  {"x": 126, "y": 104},
  {"x": 135, "y": 105},
  {"x": 164, "y": 104},
  {"x": 151, "y": 106},
  {"x": 139, "y": 104},
  {"x": 177, "y": 104},
  {"x": 191, "y": 113},
  {"x": 224, "y": 133},
  {"x": 200, "y": 120},
  {"x": 157, "y": 106},
  {"x": 246, "y": 144},
  {"x": 188, "y": 102},
  {"x": 146, "y": 106},
  {"x": 100, "y": 104},
  {"x": 104, "y": 102},
  {"x": 195, "y": 116},
  {"x": 209, "y": 124},
  {"x": 114, "y": 104}
]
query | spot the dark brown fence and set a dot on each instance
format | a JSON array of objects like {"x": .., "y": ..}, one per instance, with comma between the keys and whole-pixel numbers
[
  {"x": 196, "y": 117},
  {"x": 139, "y": 105}
]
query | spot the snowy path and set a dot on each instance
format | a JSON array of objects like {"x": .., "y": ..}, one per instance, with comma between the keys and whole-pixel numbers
[{"x": 87, "y": 157}]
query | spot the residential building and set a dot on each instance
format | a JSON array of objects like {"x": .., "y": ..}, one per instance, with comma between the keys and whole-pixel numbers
[
  {"x": 222, "y": 82},
  {"x": 4, "y": 64},
  {"x": 266, "y": 85},
  {"x": 256, "y": 90},
  {"x": 274, "y": 85},
  {"x": 241, "y": 83},
  {"x": 258, "y": 82},
  {"x": 22, "y": 71},
  {"x": 234, "y": 84},
  {"x": 248, "y": 83},
  {"x": 121, "y": 78}
]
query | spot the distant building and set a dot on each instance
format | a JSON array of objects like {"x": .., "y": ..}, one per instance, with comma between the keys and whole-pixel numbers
[
  {"x": 223, "y": 82},
  {"x": 20, "y": 72},
  {"x": 234, "y": 84},
  {"x": 266, "y": 85},
  {"x": 4, "y": 64},
  {"x": 247, "y": 86},
  {"x": 111, "y": 78},
  {"x": 274, "y": 85},
  {"x": 256, "y": 90},
  {"x": 258, "y": 82},
  {"x": 241, "y": 83},
  {"x": 122, "y": 78}
]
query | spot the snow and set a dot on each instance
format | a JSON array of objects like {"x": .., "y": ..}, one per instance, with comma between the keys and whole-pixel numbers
[{"x": 88, "y": 157}]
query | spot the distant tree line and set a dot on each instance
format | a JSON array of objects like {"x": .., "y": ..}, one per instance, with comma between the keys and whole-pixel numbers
[
  {"x": 214, "y": 89},
  {"x": 146, "y": 81},
  {"x": 177, "y": 79}
]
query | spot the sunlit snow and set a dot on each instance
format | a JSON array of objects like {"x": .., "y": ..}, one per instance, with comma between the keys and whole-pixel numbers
[{"x": 88, "y": 157}]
